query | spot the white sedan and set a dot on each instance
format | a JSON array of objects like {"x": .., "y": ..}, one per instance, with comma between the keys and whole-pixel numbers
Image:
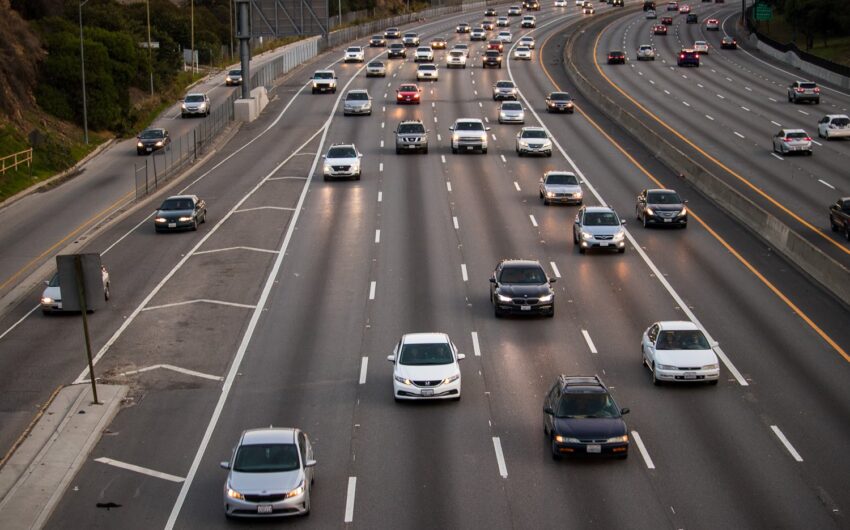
[
  {"x": 354, "y": 54},
  {"x": 522, "y": 52},
  {"x": 505, "y": 37},
  {"x": 701, "y": 46},
  {"x": 425, "y": 366},
  {"x": 678, "y": 351},
  {"x": 51, "y": 298},
  {"x": 427, "y": 72}
]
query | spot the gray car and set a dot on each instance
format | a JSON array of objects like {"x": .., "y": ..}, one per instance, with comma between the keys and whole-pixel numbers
[
  {"x": 411, "y": 136},
  {"x": 271, "y": 474},
  {"x": 788, "y": 141},
  {"x": 504, "y": 90},
  {"x": 533, "y": 141},
  {"x": 357, "y": 102},
  {"x": 376, "y": 69},
  {"x": 804, "y": 91},
  {"x": 599, "y": 227},
  {"x": 233, "y": 77},
  {"x": 511, "y": 112},
  {"x": 561, "y": 187}
]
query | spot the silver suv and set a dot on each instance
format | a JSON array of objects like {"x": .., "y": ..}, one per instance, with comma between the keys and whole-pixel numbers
[
  {"x": 804, "y": 91},
  {"x": 599, "y": 227},
  {"x": 411, "y": 136},
  {"x": 469, "y": 134}
]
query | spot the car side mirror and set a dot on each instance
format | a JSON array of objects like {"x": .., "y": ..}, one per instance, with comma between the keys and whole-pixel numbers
[
  {"x": 685, "y": 201},
  {"x": 461, "y": 356},
  {"x": 46, "y": 282},
  {"x": 714, "y": 344},
  {"x": 492, "y": 280},
  {"x": 548, "y": 410},
  {"x": 359, "y": 155},
  {"x": 324, "y": 156},
  {"x": 391, "y": 358},
  {"x": 452, "y": 128},
  {"x": 622, "y": 221},
  {"x": 225, "y": 465},
  {"x": 486, "y": 128},
  {"x": 624, "y": 410},
  {"x": 309, "y": 463}
]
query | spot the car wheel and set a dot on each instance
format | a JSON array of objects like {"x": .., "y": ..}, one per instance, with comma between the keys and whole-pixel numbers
[
  {"x": 644, "y": 222},
  {"x": 397, "y": 151},
  {"x": 314, "y": 91},
  {"x": 195, "y": 225},
  {"x": 832, "y": 225},
  {"x": 518, "y": 153},
  {"x": 106, "y": 292},
  {"x": 326, "y": 178},
  {"x": 425, "y": 151},
  {"x": 497, "y": 312},
  {"x": 582, "y": 250},
  {"x": 555, "y": 454},
  {"x": 623, "y": 456},
  {"x": 621, "y": 250},
  {"x": 454, "y": 150},
  {"x": 714, "y": 382},
  {"x": 817, "y": 101},
  {"x": 655, "y": 380},
  {"x": 549, "y": 154},
  {"x": 551, "y": 314},
  {"x": 484, "y": 151}
]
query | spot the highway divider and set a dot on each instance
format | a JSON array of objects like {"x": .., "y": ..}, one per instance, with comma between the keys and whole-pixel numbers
[{"x": 826, "y": 271}]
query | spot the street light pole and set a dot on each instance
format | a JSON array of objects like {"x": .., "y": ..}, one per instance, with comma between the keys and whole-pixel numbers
[
  {"x": 194, "y": 71},
  {"x": 339, "y": 3},
  {"x": 150, "y": 52},
  {"x": 231, "y": 30},
  {"x": 83, "y": 72}
]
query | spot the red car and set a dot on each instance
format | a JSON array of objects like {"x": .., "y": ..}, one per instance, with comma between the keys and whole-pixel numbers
[
  {"x": 495, "y": 45},
  {"x": 408, "y": 93},
  {"x": 667, "y": 21},
  {"x": 659, "y": 29}
]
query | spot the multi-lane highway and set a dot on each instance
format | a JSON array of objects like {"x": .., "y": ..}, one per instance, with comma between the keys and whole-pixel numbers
[{"x": 282, "y": 308}]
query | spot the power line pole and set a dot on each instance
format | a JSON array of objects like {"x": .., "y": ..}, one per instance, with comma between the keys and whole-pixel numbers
[
  {"x": 83, "y": 75},
  {"x": 194, "y": 64}
]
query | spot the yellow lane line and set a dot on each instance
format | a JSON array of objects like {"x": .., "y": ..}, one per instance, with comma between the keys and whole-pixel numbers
[
  {"x": 62, "y": 241},
  {"x": 705, "y": 225}
]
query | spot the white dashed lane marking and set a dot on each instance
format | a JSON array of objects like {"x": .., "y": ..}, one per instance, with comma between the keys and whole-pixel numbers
[
  {"x": 794, "y": 454},
  {"x": 533, "y": 220},
  {"x": 827, "y": 184},
  {"x": 589, "y": 341}
]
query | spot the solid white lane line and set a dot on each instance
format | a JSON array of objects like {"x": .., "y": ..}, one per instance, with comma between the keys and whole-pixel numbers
[
  {"x": 372, "y": 286},
  {"x": 364, "y": 364},
  {"x": 555, "y": 269},
  {"x": 349, "y": 500},
  {"x": 454, "y": 221},
  {"x": 516, "y": 185},
  {"x": 500, "y": 457},
  {"x": 773, "y": 100},
  {"x": 380, "y": 196},
  {"x": 533, "y": 220},
  {"x": 666, "y": 91},
  {"x": 256, "y": 208},
  {"x": 709, "y": 117},
  {"x": 816, "y": 142},
  {"x": 381, "y": 166},
  {"x": 776, "y": 123},
  {"x": 475, "y": 346},
  {"x": 505, "y": 160},
  {"x": 589, "y": 341},
  {"x": 827, "y": 184},
  {"x": 739, "y": 135},
  {"x": 198, "y": 301},
  {"x": 377, "y": 236},
  {"x": 139, "y": 469},
  {"x": 31, "y": 311},
  {"x": 643, "y": 451},
  {"x": 213, "y": 251},
  {"x": 786, "y": 443},
  {"x": 463, "y": 272},
  {"x": 443, "y": 158},
  {"x": 777, "y": 156}
]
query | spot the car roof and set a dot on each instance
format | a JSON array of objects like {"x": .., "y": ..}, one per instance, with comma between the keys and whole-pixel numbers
[
  {"x": 598, "y": 209},
  {"x": 524, "y": 129},
  {"x": 794, "y": 131},
  {"x": 324, "y": 71},
  {"x": 341, "y": 145},
  {"x": 193, "y": 197},
  {"x": 467, "y": 120},
  {"x": 268, "y": 435},
  {"x": 424, "y": 338},
  {"x": 196, "y": 94},
  {"x": 581, "y": 383},
  {"x": 559, "y": 172},
  {"x": 677, "y": 325},
  {"x": 419, "y": 122},
  {"x": 510, "y": 263},
  {"x": 660, "y": 190}
]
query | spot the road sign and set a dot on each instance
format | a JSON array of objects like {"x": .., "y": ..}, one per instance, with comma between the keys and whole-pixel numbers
[{"x": 762, "y": 12}]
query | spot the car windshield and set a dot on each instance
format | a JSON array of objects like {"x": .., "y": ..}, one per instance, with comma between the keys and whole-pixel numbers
[
  {"x": 54, "y": 281},
  {"x": 176, "y": 204},
  {"x": 527, "y": 275},
  {"x": 587, "y": 405},
  {"x": 799, "y": 134},
  {"x": 361, "y": 96},
  {"x": 511, "y": 106},
  {"x": 456, "y": 54},
  {"x": 235, "y": 72},
  {"x": 601, "y": 219},
  {"x": 427, "y": 67},
  {"x": 663, "y": 198},
  {"x": 411, "y": 128},
  {"x": 376, "y": 65},
  {"x": 492, "y": 53},
  {"x": 562, "y": 178},
  {"x": 353, "y": 50},
  {"x": 504, "y": 84},
  {"x": 323, "y": 75},
  {"x": 425, "y": 354},
  {"x": 341, "y": 152},
  {"x": 559, "y": 97},
  {"x": 687, "y": 339},
  {"x": 396, "y": 46},
  {"x": 522, "y": 49},
  {"x": 377, "y": 37},
  {"x": 423, "y": 49},
  {"x": 410, "y": 35},
  {"x": 152, "y": 134},
  {"x": 266, "y": 458},
  {"x": 469, "y": 126},
  {"x": 194, "y": 98},
  {"x": 534, "y": 134}
]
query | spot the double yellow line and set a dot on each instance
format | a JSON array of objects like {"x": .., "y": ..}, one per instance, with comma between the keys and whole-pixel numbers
[{"x": 787, "y": 301}]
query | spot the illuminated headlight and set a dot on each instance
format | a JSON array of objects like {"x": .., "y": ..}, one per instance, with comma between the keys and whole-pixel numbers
[
  {"x": 547, "y": 298},
  {"x": 619, "y": 236},
  {"x": 296, "y": 492},
  {"x": 503, "y": 298},
  {"x": 328, "y": 168},
  {"x": 566, "y": 440},
  {"x": 183, "y": 106},
  {"x": 711, "y": 367},
  {"x": 569, "y": 105},
  {"x": 315, "y": 84},
  {"x": 578, "y": 195},
  {"x": 451, "y": 379},
  {"x": 140, "y": 144},
  {"x": 228, "y": 78},
  {"x": 618, "y": 439},
  {"x": 402, "y": 380},
  {"x": 649, "y": 211},
  {"x": 46, "y": 300},
  {"x": 683, "y": 213},
  {"x": 503, "y": 115},
  {"x": 665, "y": 367},
  {"x": 161, "y": 220},
  {"x": 184, "y": 219},
  {"x": 547, "y": 145},
  {"x": 159, "y": 143},
  {"x": 233, "y": 494},
  {"x": 455, "y": 137},
  {"x": 523, "y": 143},
  {"x": 550, "y": 194},
  {"x": 586, "y": 236}
]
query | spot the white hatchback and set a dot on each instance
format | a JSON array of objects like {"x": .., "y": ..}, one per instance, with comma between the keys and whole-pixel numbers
[
  {"x": 701, "y": 46},
  {"x": 679, "y": 351},
  {"x": 426, "y": 366},
  {"x": 834, "y": 126}
]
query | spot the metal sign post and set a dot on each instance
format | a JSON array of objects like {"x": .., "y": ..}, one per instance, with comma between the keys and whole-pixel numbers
[{"x": 81, "y": 292}]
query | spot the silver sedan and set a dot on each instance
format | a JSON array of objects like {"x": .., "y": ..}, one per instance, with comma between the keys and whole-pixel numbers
[
  {"x": 357, "y": 102},
  {"x": 376, "y": 69},
  {"x": 511, "y": 112},
  {"x": 561, "y": 187}
]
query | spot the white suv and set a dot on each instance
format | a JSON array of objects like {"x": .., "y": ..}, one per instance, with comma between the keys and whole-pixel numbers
[
  {"x": 426, "y": 366},
  {"x": 354, "y": 54},
  {"x": 342, "y": 161},
  {"x": 469, "y": 134},
  {"x": 424, "y": 53},
  {"x": 456, "y": 58}
]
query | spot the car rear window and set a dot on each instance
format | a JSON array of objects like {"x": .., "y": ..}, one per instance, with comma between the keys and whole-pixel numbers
[
  {"x": 808, "y": 85},
  {"x": 266, "y": 458},
  {"x": 587, "y": 405},
  {"x": 357, "y": 95},
  {"x": 796, "y": 135},
  {"x": 526, "y": 275},
  {"x": 841, "y": 122},
  {"x": 425, "y": 354}
]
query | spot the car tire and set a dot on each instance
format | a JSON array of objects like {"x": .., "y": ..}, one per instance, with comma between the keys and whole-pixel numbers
[
  {"x": 582, "y": 250},
  {"x": 645, "y": 224},
  {"x": 195, "y": 225},
  {"x": 817, "y": 101},
  {"x": 655, "y": 380},
  {"x": 313, "y": 90},
  {"x": 714, "y": 382},
  {"x": 497, "y": 312},
  {"x": 484, "y": 151},
  {"x": 425, "y": 151},
  {"x": 454, "y": 150},
  {"x": 106, "y": 292},
  {"x": 551, "y": 313},
  {"x": 326, "y": 178},
  {"x": 623, "y": 456},
  {"x": 832, "y": 225},
  {"x": 621, "y": 250},
  {"x": 549, "y": 154},
  {"x": 397, "y": 151}
]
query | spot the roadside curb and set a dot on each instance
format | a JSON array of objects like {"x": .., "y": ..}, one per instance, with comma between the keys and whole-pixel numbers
[
  {"x": 805, "y": 256},
  {"x": 34, "y": 479}
]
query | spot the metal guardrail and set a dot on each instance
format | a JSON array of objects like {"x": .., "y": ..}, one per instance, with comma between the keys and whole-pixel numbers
[{"x": 17, "y": 159}]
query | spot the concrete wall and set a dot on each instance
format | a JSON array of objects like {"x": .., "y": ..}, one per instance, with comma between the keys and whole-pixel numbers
[{"x": 794, "y": 60}]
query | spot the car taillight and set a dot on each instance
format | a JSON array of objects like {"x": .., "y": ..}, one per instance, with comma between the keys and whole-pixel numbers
[
  {"x": 799, "y": 90},
  {"x": 817, "y": 90},
  {"x": 807, "y": 139},
  {"x": 682, "y": 56},
  {"x": 696, "y": 56}
]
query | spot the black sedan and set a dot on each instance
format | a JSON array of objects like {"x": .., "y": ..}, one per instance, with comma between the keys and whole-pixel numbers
[
  {"x": 559, "y": 102},
  {"x": 616, "y": 57},
  {"x": 662, "y": 207},
  {"x": 151, "y": 140},
  {"x": 581, "y": 418},
  {"x": 180, "y": 212},
  {"x": 521, "y": 287}
]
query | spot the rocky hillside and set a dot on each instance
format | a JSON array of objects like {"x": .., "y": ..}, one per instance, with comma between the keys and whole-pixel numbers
[{"x": 20, "y": 52}]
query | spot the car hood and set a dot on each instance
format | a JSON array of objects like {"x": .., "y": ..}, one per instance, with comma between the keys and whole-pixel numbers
[
  {"x": 603, "y": 230},
  {"x": 666, "y": 207},
  {"x": 562, "y": 188},
  {"x": 434, "y": 372},
  {"x": 173, "y": 214},
  {"x": 151, "y": 141},
  {"x": 265, "y": 483},
  {"x": 471, "y": 134},
  {"x": 685, "y": 358},
  {"x": 590, "y": 428},
  {"x": 523, "y": 290},
  {"x": 341, "y": 161},
  {"x": 357, "y": 103}
]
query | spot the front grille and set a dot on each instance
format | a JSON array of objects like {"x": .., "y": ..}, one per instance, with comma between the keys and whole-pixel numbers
[
  {"x": 593, "y": 441},
  {"x": 266, "y": 498},
  {"x": 341, "y": 168},
  {"x": 525, "y": 301},
  {"x": 689, "y": 368},
  {"x": 604, "y": 238},
  {"x": 411, "y": 140},
  {"x": 428, "y": 384}
]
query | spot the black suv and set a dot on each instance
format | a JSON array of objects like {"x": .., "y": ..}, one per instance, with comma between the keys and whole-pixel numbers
[
  {"x": 663, "y": 207},
  {"x": 580, "y": 417},
  {"x": 521, "y": 287},
  {"x": 688, "y": 58},
  {"x": 396, "y": 50},
  {"x": 491, "y": 58}
]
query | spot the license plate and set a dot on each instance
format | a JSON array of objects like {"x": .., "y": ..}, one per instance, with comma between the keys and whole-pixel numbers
[
  {"x": 525, "y": 307},
  {"x": 427, "y": 391},
  {"x": 603, "y": 244},
  {"x": 594, "y": 448},
  {"x": 412, "y": 146},
  {"x": 668, "y": 220},
  {"x": 690, "y": 375},
  {"x": 149, "y": 149},
  {"x": 469, "y": 148},
  {"x": 264, "y": 508},
  {"x": 172, "y": 225}
]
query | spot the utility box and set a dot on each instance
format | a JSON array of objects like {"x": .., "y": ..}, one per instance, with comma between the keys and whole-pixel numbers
[{"x": 91, "y": 276}]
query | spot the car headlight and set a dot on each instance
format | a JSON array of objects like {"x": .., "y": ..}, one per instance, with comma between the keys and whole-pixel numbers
[
  {"x": 315, "y": 84},
  {"x": 455, "y": 137},
  {"x": 619, "y": 236},
  {"x": 683, "y": 213},
  {"x": 46, "y": 300},
  {"x": 550, "y": 194},
  {"x": 451, "y": 379},
  {"x": 503, "y": 298},
  {"x": 185, "y": 219},
  {"x": 328, "y": 168},
  {"x": 547, "y": 145},
  {"x": 140, "y": 144},
  {"x": 578, "y": 194},
  {"x": 714, "y": 366},
  {"x": 665, "y": 367},
  {"x": 402, "y": 380},
  {"x": 296, "y": 492},
  {"x": 160, "y": 220},
  {"x": 228, "y": 78},
  {"x": 649, "y": 211},
  {"x": 183, "y": 106},
  {"x": 566, "y": 440},
  {"x": 233, "y": 494},
  {"x": 586, "y": 236},
  {"x": 159, "y": 143},
  {"x": 547, "y": 298},
  {"x": 503, "y": 115},
  {"x": 618, "y": 439}
]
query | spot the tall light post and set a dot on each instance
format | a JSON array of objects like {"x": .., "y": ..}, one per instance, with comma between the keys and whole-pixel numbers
[
  {"x": 192, "y": 45},
  {"x": 83, "y": 72},
  {"x": 231, "y": 30},
  {"x": 150, "y": 52},
  {"x": 340, "y": 11}
]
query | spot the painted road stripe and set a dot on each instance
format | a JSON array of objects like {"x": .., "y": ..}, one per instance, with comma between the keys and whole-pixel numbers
[
  {"x": 505, "y": 160},
  {"x": 382, "y": 125},
  {"x": 827, "y": 184},
  {"x": 533, "y": 220},
  {"x": 721, "y": 96},
  {"x": 643, "y": 451},
  {"x": 776, "y": 123},
  {"x": 349, "y": 500},
  {"x": 372, "y": 286},
  {"x": 381, "y": 166},
  {"x": 709, "y": 117},
  {"x": 380, "y": 196},
  {"x": 382, "y": 144},
  {"x": 739, "y": 135},
  {"x": 364, "y": 364},
  {"x": 816, "y": 142},
  {"x": 377, "y": 236},
  {"x": 786, "y": 443},
  {"x": 773, "y": 100},
  {"x": 439, "y": 138},
  {"x": 435, "y": 119},
  {"x": 443, "y": 158},
  {"x": 449, "y": 186},
  {"x": 173, "y": 368},
  {"x": 555, "y": 269},
  {"x": 494, "y": 137},
  {"x": 745, "y": 108},
  {"x": 475, "y": 346},
  {"x": 803, "y": 112},
  {"x": 777, "y": 156},
  {"x": 463, "y": 272},
  {"x": 454, "y": 221},
  {"x": 685, "y": 103},
  {"x": 139, "y": 469},
  {"x": 516, "y": 185},
  {"x": 748, "y": 89},
  {"x": 589, "y": 341},
  {"x": 500, "y": 457}
]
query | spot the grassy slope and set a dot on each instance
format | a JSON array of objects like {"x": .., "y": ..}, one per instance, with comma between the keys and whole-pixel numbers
[{"x": 836, "y": 50}]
